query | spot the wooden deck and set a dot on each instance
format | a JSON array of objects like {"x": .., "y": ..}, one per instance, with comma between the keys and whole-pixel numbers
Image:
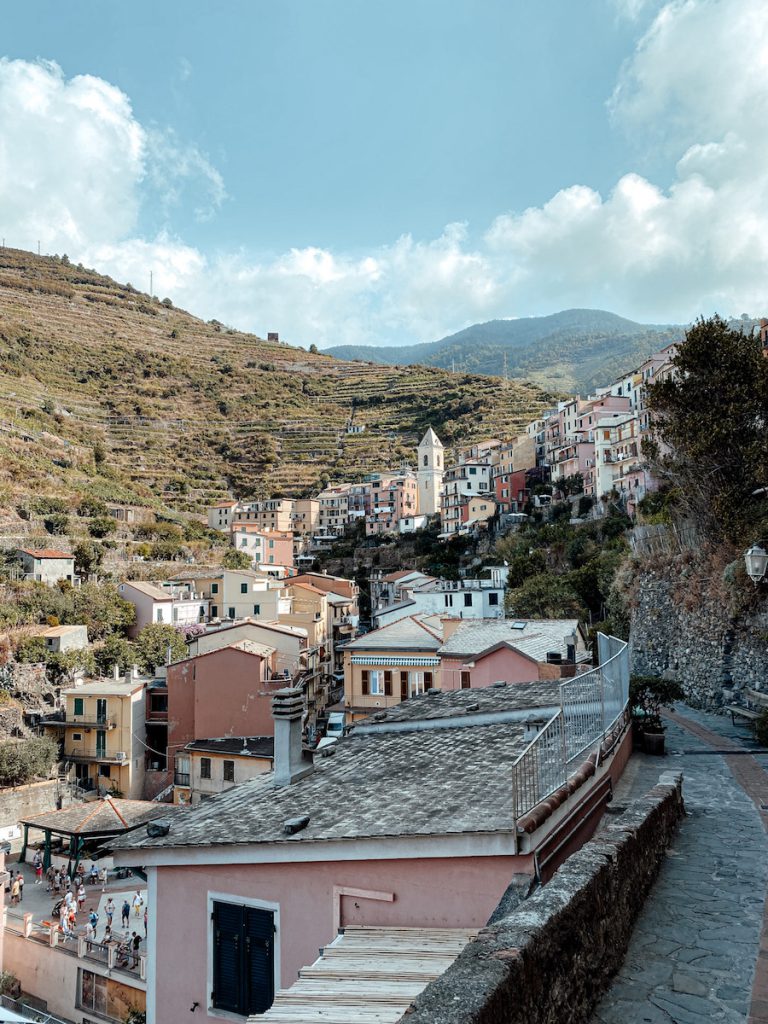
[{"x": 367, "y": 976}]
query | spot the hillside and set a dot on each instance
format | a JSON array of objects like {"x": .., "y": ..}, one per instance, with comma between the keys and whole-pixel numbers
[
  {"x": 575, "y": 350},
  {"x": 107, "y": 392}
]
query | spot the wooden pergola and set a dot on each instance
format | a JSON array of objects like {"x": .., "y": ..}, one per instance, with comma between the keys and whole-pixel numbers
[{"x": 92, "y": 821}]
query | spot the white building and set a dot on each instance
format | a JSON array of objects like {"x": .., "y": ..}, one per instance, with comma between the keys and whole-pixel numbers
[
  {"x": 169, "y": 604},
  {"x": 461, "y": 599},
  {"x": 220, "y": 515},
  {"x": 429, "y": 473},
  {"x": 47, "y": 565}
]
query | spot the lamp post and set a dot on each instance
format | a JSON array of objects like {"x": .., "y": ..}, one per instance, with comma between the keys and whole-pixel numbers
[{"x": 756, "y": 560}]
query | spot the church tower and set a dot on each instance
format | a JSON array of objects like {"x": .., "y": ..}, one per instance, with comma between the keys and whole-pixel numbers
[{"x": 431, "y": 463}]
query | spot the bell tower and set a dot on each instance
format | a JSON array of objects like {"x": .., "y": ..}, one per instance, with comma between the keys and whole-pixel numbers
[{"x": 431, "y": 464}]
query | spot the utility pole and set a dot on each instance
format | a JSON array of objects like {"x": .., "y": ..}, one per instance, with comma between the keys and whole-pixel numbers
[
  {"x": 505, "y": 365},
  {"x": 38, "y": 247},
  {"x": 151, "y": 292}
]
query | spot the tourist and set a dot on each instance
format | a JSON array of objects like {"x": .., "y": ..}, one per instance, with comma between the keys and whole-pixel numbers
[
  {"x": 57, "y": 881},
  {"x": 126, "y": 915},
  {"x": 107, "y": 935},
  {"x": 72, "y": 916},
  {"x": 138, "y": 903},
  {"x": 135, "y": 943},
  {"x": 39, "y": 872},
  {"x": 64, "y": 920},
  {"x": 80, "y": 896},
  {"x": 93, "y": 874},
  {"x": 93, "y": 920},
  {"x": 109, "y": 910},
  {"x": 20, "y": 879},
  {"x": 50, "y": 878},
  {"x": 14, "y": 890},
  {"x": 104, "y": 877}
]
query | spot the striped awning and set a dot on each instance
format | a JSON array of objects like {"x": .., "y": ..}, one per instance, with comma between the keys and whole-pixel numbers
[{"x": 416, "y": 662}]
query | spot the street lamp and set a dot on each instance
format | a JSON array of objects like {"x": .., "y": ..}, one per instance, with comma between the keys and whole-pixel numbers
[{"x": 756, "y": 560}]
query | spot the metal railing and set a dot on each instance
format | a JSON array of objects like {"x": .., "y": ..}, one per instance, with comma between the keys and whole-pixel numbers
[
  {"x": 28, "y": 1012},
  {"x": 590, "y": 706}
]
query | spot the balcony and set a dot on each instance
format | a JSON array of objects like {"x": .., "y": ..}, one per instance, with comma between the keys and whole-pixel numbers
[
  {"x": 98, "y": 756},
  {"x": 181, "y": 779},
  {"x": 62, "y": 722}
]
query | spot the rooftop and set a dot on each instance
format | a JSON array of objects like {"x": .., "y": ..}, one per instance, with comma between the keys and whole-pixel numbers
[
  {"x": 52, "y": 631},
  {"x": 149, "y": 589},
  {"x": 413, "y": 632},
  {"x": 244, "y": 746},
  {"x": 474, "y": 636},
  {"x": 46, "y": 553},
  {"x": 105, "y": 688},
  {"x": 100, "y": 817},
  {"x": 387, "y": 780}
]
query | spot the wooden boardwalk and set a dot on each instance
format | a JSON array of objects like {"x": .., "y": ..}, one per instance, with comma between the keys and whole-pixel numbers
[{"x": 367, "y": 976}]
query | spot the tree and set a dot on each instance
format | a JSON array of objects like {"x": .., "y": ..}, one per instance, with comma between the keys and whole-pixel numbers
[
  {"x": 711, "y": 416},
  {"x": 32, "y": 650},
  {"x": 234, "y": 559},
  {"x": 544, "y": 597},
  {"x": 115, "y": 650},
  {"x": 101, "y": 526},
  {"x": 62, "y": 665},
  {"x": 101, "y": 608},
  {"x": 153, "y": 642},
  {"x": 88, "y": 557},
  {"x": 313, "y": 349},
  {"x": 22, "y": 761}
]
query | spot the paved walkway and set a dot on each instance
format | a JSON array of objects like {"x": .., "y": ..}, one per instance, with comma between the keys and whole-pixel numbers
[{"x": 700, "y": 937}]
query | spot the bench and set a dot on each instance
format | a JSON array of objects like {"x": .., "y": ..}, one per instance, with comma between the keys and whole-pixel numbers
[{"x": 759, "y": 702}]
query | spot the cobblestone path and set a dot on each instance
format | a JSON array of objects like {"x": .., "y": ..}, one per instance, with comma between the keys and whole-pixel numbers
[{"x": 696, "y": 945}]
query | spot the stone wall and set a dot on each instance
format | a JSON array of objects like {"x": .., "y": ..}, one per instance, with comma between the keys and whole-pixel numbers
[
  {"x": 35, "y": 798},
  {"x": 552, "y": 957},
  {"x": 695, "y": 641}
]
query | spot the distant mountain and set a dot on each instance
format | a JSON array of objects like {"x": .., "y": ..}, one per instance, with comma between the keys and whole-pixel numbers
[{"x": 575, "y": 350}]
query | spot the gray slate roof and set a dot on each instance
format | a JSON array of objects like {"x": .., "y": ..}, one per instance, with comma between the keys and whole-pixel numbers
[
  {"x": 244, "y": 746},
  {"x": 407, "y": 633},
  {"x": 452, "y": 704},
  {"x": 474, "y": 636}
]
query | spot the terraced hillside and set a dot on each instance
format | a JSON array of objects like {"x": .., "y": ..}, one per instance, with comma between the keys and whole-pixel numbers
[{"x": 106, "y": 391}]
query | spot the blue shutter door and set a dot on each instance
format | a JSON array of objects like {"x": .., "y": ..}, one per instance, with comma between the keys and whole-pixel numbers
[
  {"x": 259, "y": 960},
  {"x": 228, "y": 948}
]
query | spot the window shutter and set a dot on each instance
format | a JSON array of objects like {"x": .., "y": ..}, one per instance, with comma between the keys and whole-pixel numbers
[
  {"x": 403, "y": 686},
  {"x": 465, "y": 681},
  {"x": 387, "y": 684},
  {"x": 228, "y": 940},
  {"x": 259, "y": 970},
  {"x": 365, "y": 676},
  {"x": 427, "y": 680}
]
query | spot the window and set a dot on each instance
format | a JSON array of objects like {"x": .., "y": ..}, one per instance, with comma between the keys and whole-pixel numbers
[
  {"x": 449, "y": 600},
  {"x": 257, "y": 609},
  {"x": 467, "y": 600},
  {"x": 243, "y": 588},
  {"x": 214, "y": 588},
  {"x": 231, "y": 613},
  {"x": 243, "y": 959},
  {"x": 181, "y": 772},
  {"x": 472, "y": 471},
  {"x": 214, "y": 611},
  {"x": 159, "y": 615},
  {"x": 78, "y": 705},
  {"x": 376, "y": 682},
  {"x": 205, "y": 767},
  {"x": 493, "y": 598},
  {"x": 229, "y": 771},
  {"x": 426, "y": 460},
  {"x": 465, "y": 681},
  {"x": 93, "y": 992},
  {"x": 77, "y": 735},
  {"x": 271, "y": 543}
]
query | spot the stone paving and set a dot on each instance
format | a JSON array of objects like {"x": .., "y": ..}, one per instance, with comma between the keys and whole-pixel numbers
[{"x": 696, "y": 944}]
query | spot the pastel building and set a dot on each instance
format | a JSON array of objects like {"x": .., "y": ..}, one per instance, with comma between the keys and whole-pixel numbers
[
  {"x": 429, "y": 473},
  {"x": 221, "y": 514},
  {"x": 392, "y": 498},
  {"x": 170, "y": 605},
  {"x": 270, "y": 551},
  {"x": 47, "y": 565}
]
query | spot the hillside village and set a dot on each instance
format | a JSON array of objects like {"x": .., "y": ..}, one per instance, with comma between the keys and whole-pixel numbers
[{"x": 214, "y": 698}]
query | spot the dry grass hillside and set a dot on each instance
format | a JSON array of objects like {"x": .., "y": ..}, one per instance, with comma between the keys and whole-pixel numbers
[{"x": 107, "y": 392}]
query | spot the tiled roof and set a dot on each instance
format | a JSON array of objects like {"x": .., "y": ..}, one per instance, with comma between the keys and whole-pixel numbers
[
  {"x": 245, "y": 746},
  {"x": 408, "y": 633},
  {"x": 46, "y": 553},
  {"x": 452, "y": 704},
  {"x": 474, "y": 636},
  {"x": 52, "y": 631},
  {"x": 149, "y": 590},
  {"x": 439, "y": 781},
  {"x": 100, "y": 817},
  {"x": 225, "y": 504},
  {"x": 393, "y": 577},
  {"x": 252, "y": 647}
]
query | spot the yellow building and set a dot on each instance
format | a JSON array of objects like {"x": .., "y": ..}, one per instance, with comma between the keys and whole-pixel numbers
[
  {"x": 391, "y": 664},
  {"x": 103, "y": 731}
]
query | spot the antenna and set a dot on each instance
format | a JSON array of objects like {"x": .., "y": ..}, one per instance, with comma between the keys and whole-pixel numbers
[
  {"x": 505, "y": 364},
  {"x": 38, "y": 247},
  {"x": 151, "y": 293}
]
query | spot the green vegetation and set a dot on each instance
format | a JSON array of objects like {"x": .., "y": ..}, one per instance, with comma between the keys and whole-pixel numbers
[
  {"x": 24, "y": 760},
  {"x": 649, "y": 696},
  {"x": 712, "y": 415},
  {"x": 153, "y": 643},
  {"x": 234, "y": 559}
]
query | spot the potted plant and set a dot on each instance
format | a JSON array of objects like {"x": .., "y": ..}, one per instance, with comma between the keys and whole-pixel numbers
[{"x": 648, "y": 695}]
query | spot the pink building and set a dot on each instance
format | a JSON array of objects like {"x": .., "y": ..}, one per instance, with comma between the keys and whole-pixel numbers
[
  {"x": 481, "y": 652},
  {"x": 259, "y": 878},
  {"x": 391, "y": 498},
  {"x": 270, "y": 551}
]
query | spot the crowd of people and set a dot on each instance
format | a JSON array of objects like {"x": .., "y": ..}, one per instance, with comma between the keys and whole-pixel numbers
[{"x": 70, "y": 901}]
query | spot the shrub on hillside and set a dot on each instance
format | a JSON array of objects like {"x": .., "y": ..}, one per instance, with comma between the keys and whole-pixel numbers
[
  {"x": 20, "y": 762},
  {"x": 56, "y": 524},
  {"x": 101, "y": 526}
]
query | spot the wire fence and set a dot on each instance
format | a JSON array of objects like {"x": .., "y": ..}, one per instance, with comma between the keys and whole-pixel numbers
[{"x": 590, "y": 705}]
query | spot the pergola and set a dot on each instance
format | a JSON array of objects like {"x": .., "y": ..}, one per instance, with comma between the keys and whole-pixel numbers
[{"x": 92, "y": 821}]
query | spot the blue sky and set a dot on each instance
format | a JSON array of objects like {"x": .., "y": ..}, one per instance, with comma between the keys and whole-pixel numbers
[{"x": 354, "y": 170}]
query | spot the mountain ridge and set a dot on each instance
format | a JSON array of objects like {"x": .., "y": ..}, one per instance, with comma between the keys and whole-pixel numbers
[{"x": 572, "y": 350}]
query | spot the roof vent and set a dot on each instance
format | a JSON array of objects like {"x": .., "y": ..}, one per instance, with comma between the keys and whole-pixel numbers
[
  {"x": 158, "y": 828},
  {"x": 499, "y": 684},
  {"x": 294, "y": 825},
  {"x": 472, "y": 707},
  {"x": 432, "y": 691}
]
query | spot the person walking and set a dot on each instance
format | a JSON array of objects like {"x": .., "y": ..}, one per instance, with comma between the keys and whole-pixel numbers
[
  {"x": 93, "y": 920},
  {"x": 39, "y": 873},
  {"x": 109, "y": 910},
  {"x": 104, "y": 877},
  {"x": 20, "y": 878},
  {"x": 64, "y": 920},
  {"x": 57, "y": 881},
  {"x": 126, "y": 915},
  {"x": 138, "y": 903},
  {"x": 15, "y": 891},
  {"x": 135, "y": 943},
  {"x": 80, "y": 896}
]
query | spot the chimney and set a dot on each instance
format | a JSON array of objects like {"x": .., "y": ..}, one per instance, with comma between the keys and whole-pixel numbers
[
  {"x": 287, "y": 712},
  {"x": 115, "y": 671}
]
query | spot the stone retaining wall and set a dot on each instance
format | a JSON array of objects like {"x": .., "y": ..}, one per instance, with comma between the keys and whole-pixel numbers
[
  {"x": 552, "y": 957},
  {"x": 712, "y": 656},
  {"x": 32, "y": 799}
]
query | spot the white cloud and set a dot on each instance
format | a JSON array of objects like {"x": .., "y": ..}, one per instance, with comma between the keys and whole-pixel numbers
[{"x": 75, "y": 166}]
